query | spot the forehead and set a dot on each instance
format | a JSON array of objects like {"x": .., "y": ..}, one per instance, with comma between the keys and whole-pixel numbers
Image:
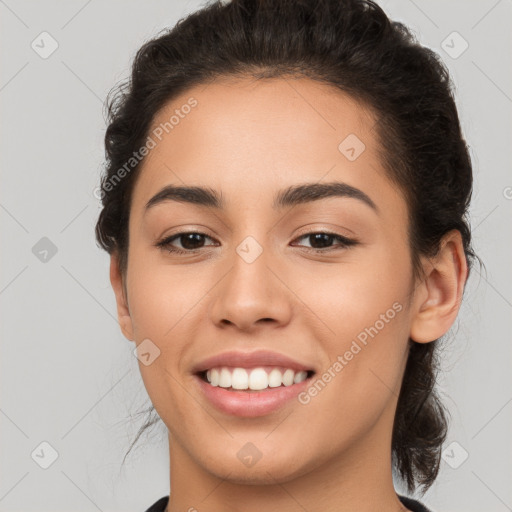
[
  {"x": 251, "y": 112},
  {"x": 246, "y": 137}
]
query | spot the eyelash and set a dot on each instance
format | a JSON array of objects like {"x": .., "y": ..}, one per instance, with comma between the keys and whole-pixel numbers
[{"x": 164, "y": 244}]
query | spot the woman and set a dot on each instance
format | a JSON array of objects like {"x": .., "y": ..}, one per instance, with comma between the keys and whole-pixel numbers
[{"x": 285, "y": 208}]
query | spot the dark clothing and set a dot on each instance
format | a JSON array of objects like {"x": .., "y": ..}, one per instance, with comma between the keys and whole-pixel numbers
[
  {"x": 159, "y": 506},
  {"x": 411, "y": 504}
]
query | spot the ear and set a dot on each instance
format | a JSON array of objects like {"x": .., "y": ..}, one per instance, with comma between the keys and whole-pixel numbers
[
  {"x": 437, "y": 299},
  {"x": 118, "y": 285}
]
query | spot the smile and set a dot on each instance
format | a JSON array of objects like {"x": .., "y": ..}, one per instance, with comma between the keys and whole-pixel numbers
[
  {"x": 254, "y": 379},
  {"x": 252, "y": 392}
]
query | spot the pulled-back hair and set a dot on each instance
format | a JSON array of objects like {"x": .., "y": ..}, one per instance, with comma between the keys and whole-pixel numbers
[{"x": 351, "y": 45}]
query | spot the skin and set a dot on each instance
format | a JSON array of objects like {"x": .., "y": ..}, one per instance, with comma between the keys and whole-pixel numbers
[{"x": 247, "y": 140}]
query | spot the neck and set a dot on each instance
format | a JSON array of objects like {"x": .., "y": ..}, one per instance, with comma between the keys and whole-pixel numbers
[{"x": 359, "y": 478}]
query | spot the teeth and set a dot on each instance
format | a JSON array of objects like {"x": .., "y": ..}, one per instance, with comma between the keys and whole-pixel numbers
[
  {"x": 275, "y": 379},
  {"x": 288, "y": 377},
  {"x": 214, "y": 379},
  {"x": 258, "y": 379},
  {"x": 225, "y": 378},
  {"x": 255, "y": 379},
  {"x": 299, "y": 377},
  {"x": 239, "y": 379}
]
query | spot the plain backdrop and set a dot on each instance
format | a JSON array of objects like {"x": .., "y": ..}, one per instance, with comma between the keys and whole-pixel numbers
[{"x": 70, "y": 386}]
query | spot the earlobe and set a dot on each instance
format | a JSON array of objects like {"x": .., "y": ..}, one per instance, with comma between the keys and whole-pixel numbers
[
  {"x": 438, "y": 298},
  {"x": 123, "y": 312}
]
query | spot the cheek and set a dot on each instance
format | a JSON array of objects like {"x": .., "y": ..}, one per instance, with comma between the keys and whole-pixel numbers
[
  {"x": 364, "y": 305},
  {"x": 161, "y": 297},
  {"x": 361, "y": 382},
  {"x": 351, "y": 295}
]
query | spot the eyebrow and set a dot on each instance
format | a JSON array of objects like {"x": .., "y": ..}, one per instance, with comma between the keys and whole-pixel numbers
[{"x": 291, "y": 196}]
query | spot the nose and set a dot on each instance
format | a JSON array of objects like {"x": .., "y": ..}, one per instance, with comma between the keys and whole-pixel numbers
[{"x": 252, "y": 293}]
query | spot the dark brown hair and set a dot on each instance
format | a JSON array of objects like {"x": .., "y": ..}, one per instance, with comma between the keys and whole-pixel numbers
[{"x": 351, "y": 45}]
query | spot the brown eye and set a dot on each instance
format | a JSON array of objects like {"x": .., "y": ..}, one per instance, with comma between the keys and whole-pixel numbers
[
  {"x": 190, "y": 242},
  {"x": 322, "y": 241}
]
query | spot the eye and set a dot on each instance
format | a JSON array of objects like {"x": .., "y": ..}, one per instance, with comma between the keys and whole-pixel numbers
[
  {"x": 190, "y": 242},
  {"x": 321, "y": 241}
]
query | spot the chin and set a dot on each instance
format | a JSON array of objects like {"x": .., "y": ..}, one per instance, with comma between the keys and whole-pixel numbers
[{"x": 274, "y": 470}]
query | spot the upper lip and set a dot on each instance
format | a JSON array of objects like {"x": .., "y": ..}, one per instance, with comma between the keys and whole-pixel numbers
[{"x": 249, "y": 360}]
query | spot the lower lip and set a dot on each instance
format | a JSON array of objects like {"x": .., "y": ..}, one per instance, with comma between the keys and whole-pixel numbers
[{"x": 251, "y": 404}]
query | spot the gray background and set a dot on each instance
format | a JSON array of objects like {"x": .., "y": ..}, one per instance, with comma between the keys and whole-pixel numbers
[{"x": 68, "y": 376}]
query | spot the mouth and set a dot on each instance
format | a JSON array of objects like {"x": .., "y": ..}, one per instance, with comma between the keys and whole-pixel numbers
[
  {"x": 253, "y": 380},
  {"x": 252, "y": 392}
]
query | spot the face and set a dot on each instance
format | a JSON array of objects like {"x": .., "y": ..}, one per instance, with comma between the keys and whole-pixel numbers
[{"x": 259, "y": 275}]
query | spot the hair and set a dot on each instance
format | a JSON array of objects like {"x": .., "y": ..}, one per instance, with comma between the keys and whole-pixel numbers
[{"x": 353, "y": 46}]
